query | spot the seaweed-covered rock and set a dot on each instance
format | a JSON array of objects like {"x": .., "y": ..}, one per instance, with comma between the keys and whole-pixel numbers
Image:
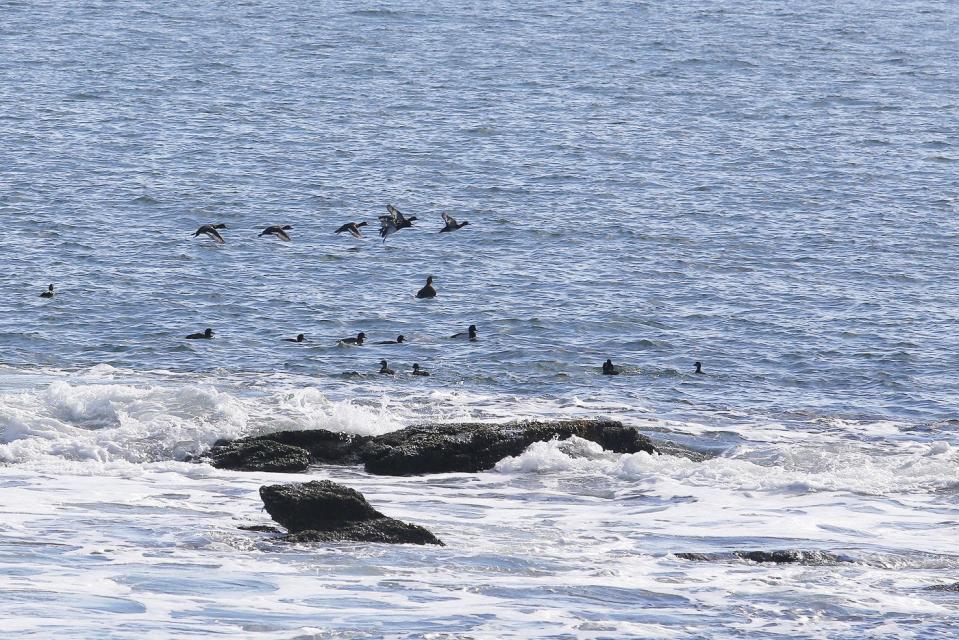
[
  {"x": 442, "y": 448},
  {"x": 324, "y": 511}
]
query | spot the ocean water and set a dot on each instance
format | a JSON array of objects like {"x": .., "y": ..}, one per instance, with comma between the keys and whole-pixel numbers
[{"x": 769, "y": 187}]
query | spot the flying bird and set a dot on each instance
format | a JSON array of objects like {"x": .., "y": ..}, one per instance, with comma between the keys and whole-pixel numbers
[
  {"x": 390, "y": 224},
  {"x": 211, "y": 231},
  {"x": 278, "y": 231},
  {"x": 353, "y": 228},
  {"x": 452, "y": 224}
]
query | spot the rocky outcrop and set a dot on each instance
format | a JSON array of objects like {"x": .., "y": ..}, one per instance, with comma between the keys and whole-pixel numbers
[
  {"x": 432, "y": 448},
  {"x": 786, "y": 556},
  {"x": 324, "y": 511}
]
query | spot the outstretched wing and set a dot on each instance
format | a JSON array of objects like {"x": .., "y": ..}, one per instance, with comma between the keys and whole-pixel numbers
[
  {"x": 355, "y": 231},
  {"x": 449, "y": 220},
  {"x": 282, "y": 235},
  {"x": 213, "y": 233},
  {"x": 395, "y": 213}
]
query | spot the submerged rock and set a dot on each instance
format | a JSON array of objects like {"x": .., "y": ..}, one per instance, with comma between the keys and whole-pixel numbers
[
  {"x": 324, "y": 511},
  {"x": 430, "y": 448},
  {"x": 783, "y": 556}
]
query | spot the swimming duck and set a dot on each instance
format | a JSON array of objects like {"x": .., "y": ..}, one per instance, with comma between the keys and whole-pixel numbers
[
  {"x": 469, "y": 333},
  {"x": 419, "y": 372},
  {"x": 399, "y": 340},
  {"x": 609, "y": 369},
  {"x": 48, "y": 293},
  {"x": 699, "y": 368},
  {"x": 206, "y": 335},
  {"x": 452, "y": 224},
  {"x": 299, "y": 338},
  {"x": 358, "y": 340},
  {"x": 353, "y": 228},
  {"x": 384, "y": 369},
  {"x": 278, "y": 231},
  {"x": 428, "y": 291},
  {"x": 390, "y": 224},
  {"x": 211, "y": 231}
]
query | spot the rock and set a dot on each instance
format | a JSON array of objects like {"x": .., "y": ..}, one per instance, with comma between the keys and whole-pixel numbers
[
  {"x": 260, "y": 456},
  {"x": 430, "y": 448},
  {"x": 387, "y": 530},
  {"x": 324, "y": 511},
  {"x": 788, "y": 556},
  {"x": 469, "y": 448},
  {"x": 261, "y": 528},
  {"x": 954, "y": 587}
]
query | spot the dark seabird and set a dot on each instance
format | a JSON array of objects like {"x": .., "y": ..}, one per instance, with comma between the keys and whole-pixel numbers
[
  {"x": 419, "y": 372},
  {"x": 279, "y": 232},
  {"x": 469, "y": 333},
  {"x": 393, "y": 222},
  {"x": 385, "y": 369},
  {"x": 609, "y": 369},
  {"x": 358, "y": 340},
  {"x": 399, "y": 340},
  {"x": 428, "y": 291},
  {"x": 211, "y": 231},
  {"x": 699, "y": 368},
  {"x": 452, "y": 224},
  {"x": 206, "y": 335},
  {"x": 48, "y": 293},
  {"x": 353, "y": 228},
  {"x": 298, "y": 338}
]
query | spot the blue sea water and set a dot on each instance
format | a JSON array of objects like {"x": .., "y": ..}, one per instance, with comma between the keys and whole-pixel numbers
[{"x": 767, "y": 187}]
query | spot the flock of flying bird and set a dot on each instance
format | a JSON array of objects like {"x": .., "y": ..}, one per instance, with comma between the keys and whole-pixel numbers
[{"x": 389, "y": 224}]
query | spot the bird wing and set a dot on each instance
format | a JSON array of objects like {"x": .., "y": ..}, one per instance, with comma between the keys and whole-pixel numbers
[
  {"x": 213, "y": 233},
  {"x": 356, "y": 232},
  {"x": 345, "y": 227},
  {"x": 449, "y": 220},
  {"x": 282, "y": 235},
  {"x": 395, "y": 213}
]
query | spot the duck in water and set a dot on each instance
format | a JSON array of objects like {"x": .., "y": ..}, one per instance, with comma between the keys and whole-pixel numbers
[
  {"x": 206, "y": 335},
  {"x": 609, "y": 369},
  {"x": 399, "y": 340},
  {"x": 469, "y": 333},
  {"x": 358, "y": 340},
  {"x": 299, "y": 338},
  {"x": 428, "y": 291},
  {"x": 699, "y": 368},
  {"x": 48, "y": 293},
  {"x": 385, "y": 370},
  {"x": 419, "y": 372}
]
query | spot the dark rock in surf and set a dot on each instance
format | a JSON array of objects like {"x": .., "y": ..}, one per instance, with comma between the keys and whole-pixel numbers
[
  {"x": 477, "y": 447},
  {"x": 782, "y": 556},
  {"x": 324, "y": 511},
  {"x": 430, "y": 448},
  {"x": 260, "y": 456},
  {"x": 295, "y": 450},
  {"x": 954, "y": 587}
]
